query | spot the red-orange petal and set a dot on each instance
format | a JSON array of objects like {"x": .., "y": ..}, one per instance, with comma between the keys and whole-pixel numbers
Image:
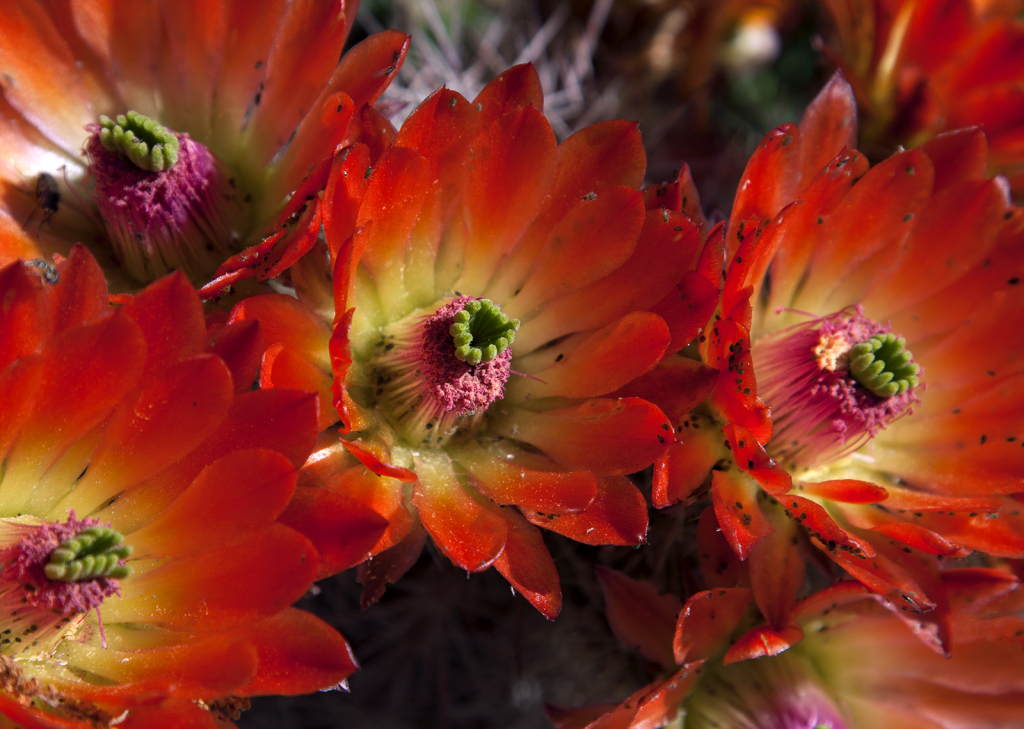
[
  {"x": 507, "y": 482},
  {"x": 706, "y": 620},
  {"x": 828, "y": 126},
  {"x": 232, "y": 501},
  {"x": 680, "y": 471},
  {"x": 606, "y": 360},
  {"x": 677, "y": 385},
  {"x": 618, "y": 515},
  {"x": 770, "y": 178},
  {"x": 283, "y": 367},
  {"x": 221, "y": 587},
  {"x": 596, "y": 236},
  {"x": 527, "y": 565},
  {"x": 469, "y": 535},
  {"x": 298, "y": 654},
  {"x": 203, "y": 667},
  {"x": 847, "y": 490},
  {"x": 343, "y": 529},
  {"x": 513, "y": 162},
  {"x": 761, "y": 642},
  {"x": 719, "y": 564},
  {"x": 605, "y": 436},
  {"x": 734, "y": 495}
]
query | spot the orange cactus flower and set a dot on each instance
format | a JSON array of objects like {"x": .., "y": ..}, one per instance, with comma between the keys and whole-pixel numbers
[
  {"x": 144, "y": 565},
  {"x": 494, "y": 295},
  {"x": 169, "y": 135},
  {"x": 859, "y": 666},
  {"x": 881, "y": 344},
  {"x": 922, "y": 67}
]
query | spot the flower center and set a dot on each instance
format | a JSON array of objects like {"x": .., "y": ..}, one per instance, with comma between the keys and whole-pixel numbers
[
  {"x": 434, "y": 374},
  {"x": 832, "y": 384},
  {"x": 51, "y": 573},
  {"x": 166, "y": 201}
]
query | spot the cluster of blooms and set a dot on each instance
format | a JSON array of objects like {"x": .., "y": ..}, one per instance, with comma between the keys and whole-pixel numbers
[{"x": 255, "y": 324}]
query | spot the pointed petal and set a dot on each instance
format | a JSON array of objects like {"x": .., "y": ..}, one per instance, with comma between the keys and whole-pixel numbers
[
  {"x": 368, "y": 67},
  {"x": 687, "y": 308},
  {"x": 298, "y": 654},
  {"x": 706, "y": 621},
  {"x": 170, "y": 316},
  {"x": 958, "y": 155},
  {"x": 285, "y": 320},
  {"x": 777, "y": 570},
  {"x": 828, "y": 126},
  {"x": 190, "y": 58},
  {"x": 677, "y": 385},
  {"x": 159, "y": 424},
  {"x": 663, "y": 252},
  {"x": 719, "y": 564},
  {"x": 527, "y": 565},
  {"x": 241, "y": 347},
  {"x": 510, "y": 91},
  {"x": 734, "y": 495},
  {"x": 87, "y": 370},
  {"x": 284, "y": 368},
  {"x": 679, "y": 474},
  {"x": 763, "y": 641},
  {"x": 770, "y": 179},
  {"x": 468, "y": 534}
]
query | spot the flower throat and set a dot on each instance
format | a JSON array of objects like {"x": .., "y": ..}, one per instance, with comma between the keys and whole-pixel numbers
[{"x": 832, "y": 384}]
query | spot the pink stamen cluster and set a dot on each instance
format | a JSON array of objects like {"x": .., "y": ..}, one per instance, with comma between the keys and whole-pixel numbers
[
  {"x": 25, "y": 561},
  {"x": 459, "y": 387},
  {"x": 161, "y": 221},
  {"x": 423, "y": 388},
  {"x": 819, "y": 411}
]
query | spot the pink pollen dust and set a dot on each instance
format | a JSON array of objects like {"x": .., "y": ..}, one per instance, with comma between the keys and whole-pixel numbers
[
  {"x": 25, "y": 562},
  {"x": 456, "y": 386},
  {"x": 819, "y": 411},
  {"x": 152, "y": 200}
]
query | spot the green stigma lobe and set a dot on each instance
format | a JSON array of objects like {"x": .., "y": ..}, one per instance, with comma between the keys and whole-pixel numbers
[
  {"x": 146, "y": 143},
  {"x": 481, "y": 332},
  {"x": 90, "y": 554},
  {"x": 883, "y": 365}
]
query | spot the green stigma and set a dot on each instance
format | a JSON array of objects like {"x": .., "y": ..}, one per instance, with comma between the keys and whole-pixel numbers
[
  {"x": 146, "y": 143},
  {"x": 92, "y": 553},
  {"x": 481, "y": 332},
  {"x": 883, "y": 365}
]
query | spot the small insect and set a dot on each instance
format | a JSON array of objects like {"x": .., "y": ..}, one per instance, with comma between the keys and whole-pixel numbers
[
  {"x": 47, "y": 198},
  {"x": 46, "y": 270}
]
